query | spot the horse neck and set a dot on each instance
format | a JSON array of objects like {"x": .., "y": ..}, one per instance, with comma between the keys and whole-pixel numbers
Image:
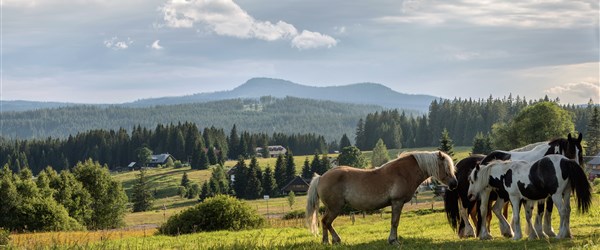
[
  {"x": 409, "y": 167},
  {"x": 533, "y": 155}
]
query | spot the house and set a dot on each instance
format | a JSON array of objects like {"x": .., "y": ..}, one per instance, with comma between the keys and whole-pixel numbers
[
  {"x": 160, "y": 159},
  {"x": 274, "y": 151},
  {"x": 593, "y": 165},
  {"x": 298, "y": 185}
]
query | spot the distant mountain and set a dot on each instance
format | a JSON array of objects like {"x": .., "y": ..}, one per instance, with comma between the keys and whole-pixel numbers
[
  {"x": 360, "y": 93},
  {"x": 31, "y": 105}
]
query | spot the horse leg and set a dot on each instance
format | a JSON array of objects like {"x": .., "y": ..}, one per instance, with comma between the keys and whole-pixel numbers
[
  {"x": 467, "y": 228},
  {"x": 327, "y": 223},
  {"x": 483, "y": 207},
  {"x": 516, "y": 223},
  {"x": 562, "y": 203},
  {"x": 528, "y": 214},
  {"x": 396, "y": 212},
  {"x": 325, "y": 227},
  {"x": 504, "y": 226},
  {"x": 538, "y": 219},
  {"x": 548, "y": 218}
]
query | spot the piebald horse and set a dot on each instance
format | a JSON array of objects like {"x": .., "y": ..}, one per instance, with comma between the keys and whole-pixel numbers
[
  {"x": 458, "y": 206},
  {"x": 394, "y": 183},
  {"x": 554, "y": 177}
]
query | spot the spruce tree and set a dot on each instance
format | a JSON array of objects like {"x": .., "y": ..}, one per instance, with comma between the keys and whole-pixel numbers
[
  {"x": 254, "y": 186},
  {"x": 345, "y": 142},
  {"x": 306, "y": 171},
  {"x": 446, "y": 144},
  {"x": 268, "y": 182},
  {"x": 205, "y": 191},
  {"x": 234, "y": 143},
  {"x": 212, "y": 157},
  {"x": 280, "y": 175},
  {"x": 380, "y": 154},
  {"x": 481, "y": 144},
  {"x": 142, "y": 196},
  {"x": 185, "y": 181},
  {"x": 240, "y": 180},
  {"x": 290, "y": 166},
  {"x": 315, "y": 164},
  {"x": 325, "y": 164},
  {"x": 594, "y": 132}
]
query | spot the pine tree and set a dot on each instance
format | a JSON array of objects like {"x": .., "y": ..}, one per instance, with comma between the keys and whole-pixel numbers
[
  {"x": 212, "y": 157},
  {"x": 240, "y": 179},
  {"x": 360, "y": 139},
  {"x": 351, "y": 156},
  {"x": 142, "y": 194},
  {"x": 380, "y": 154},
  {"x": 325, "y": 164},
  {"x": 481, "y": 144},
  {"x": 185, "y": 181},
  {"x": 446, "y": 144},
  {"x": 315, "y": 164},
  {"x": 280, "y": 174},
  {"x": 205, "y": 191},
  {"x": 345, "y": 142},
  {"x": 254, "y": 186},
  {"x": 306, "y": 172},
  {"x": 594, "y": 132},
  {"x": 268, "y": 182},
  {"x": 234, "y": 143},
  {"x": 290, "y": 166}
]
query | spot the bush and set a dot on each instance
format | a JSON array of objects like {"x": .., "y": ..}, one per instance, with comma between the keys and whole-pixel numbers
[
  {"x": 296, "y": 214},
  {"x": 216, "y": 213},
  {"x": 4, "y": 237}
]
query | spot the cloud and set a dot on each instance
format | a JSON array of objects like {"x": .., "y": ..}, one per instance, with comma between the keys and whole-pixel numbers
[
  {"x": 116, "y": 44},
  {"x": 310, "y": 40},
  {"x": 576, "y": 90},
  {"x": 156, "y": 46},
  {"x": 521, "y": 14},
  {"x": 226, "y": 18}
]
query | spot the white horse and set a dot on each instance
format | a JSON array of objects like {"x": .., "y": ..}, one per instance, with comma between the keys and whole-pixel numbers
[{"x": 552, "y": 176}]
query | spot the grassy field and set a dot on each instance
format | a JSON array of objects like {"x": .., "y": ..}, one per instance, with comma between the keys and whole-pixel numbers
[
  {"x": 419, "y": 229},
  {"x": 422, "y": 226}
]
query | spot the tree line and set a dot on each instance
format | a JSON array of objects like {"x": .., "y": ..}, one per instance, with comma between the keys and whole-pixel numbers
[{"x": 464, "y": 119}]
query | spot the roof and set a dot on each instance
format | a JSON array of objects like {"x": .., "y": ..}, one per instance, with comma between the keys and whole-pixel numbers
[
  {"x": 296, "y": 181},
  {"x": 595, "y": 160},
  {"x": 131, "y": 164},
  {"x": 161, "y": 158}
]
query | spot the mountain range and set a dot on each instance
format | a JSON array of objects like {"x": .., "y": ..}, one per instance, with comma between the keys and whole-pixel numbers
[{"x": 359, "y": 93}]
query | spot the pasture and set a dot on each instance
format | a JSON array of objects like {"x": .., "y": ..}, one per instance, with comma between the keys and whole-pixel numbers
[{"x": 422, "y": 225}]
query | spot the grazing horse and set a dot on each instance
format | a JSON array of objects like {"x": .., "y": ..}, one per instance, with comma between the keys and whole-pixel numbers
[
  {"x": 458, "y": 217},
  {"x": 553, "y": 176},
  {"x": 394, "y": 183}
]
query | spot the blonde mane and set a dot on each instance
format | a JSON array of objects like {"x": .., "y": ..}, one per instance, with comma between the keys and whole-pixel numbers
[{"x": 427, "y": 160}]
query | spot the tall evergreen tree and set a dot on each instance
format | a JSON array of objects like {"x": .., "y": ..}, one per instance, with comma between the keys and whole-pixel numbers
[
  {"x": 254, "y": 186},
  {"x": 360, "y": 139},
  {"x": 325, "y": 164},
  {"x": 240, "y": 179},
  {"x": 290, "y": 166},
  {"x": 345, "y": 142},
  {"x": 234, "y": 143},
  {"x": 446, "y": 144},
  {"x": 481, "y": 144},
  {"x": 280, "y": 173},
  {"x": 306, "y": 171},
  {"x": 268, "y": 182},
  {"x": 380, "y": 154},
  {"x": 593, "y": 130},
  {"x": 351, "y": 156},
  {"x": 212, "y": 156},
  {"x": 185, "y": 181},
  {"x": 315, "y": 165},
  {"x": 142, "y": 196}
]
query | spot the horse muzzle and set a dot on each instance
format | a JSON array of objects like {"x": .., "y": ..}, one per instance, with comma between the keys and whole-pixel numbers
[{"x": 453, "y": 184}]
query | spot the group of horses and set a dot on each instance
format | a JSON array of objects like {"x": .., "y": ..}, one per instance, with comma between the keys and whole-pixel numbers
[{"x": 544, "y": 173}]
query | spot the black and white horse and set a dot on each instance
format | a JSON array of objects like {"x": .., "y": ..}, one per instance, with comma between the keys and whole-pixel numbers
[
  {"x": 458, "y": 216},
  {"x": 553, "y": 176}
]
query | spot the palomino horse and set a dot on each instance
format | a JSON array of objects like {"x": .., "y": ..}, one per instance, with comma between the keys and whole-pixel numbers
[
  {"x": 553, "y": 176},
  {"x": 394, "y": 183},
  {"x": 570, "y": 147}
]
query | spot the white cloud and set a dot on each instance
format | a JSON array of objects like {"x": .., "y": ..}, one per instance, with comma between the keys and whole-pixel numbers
[
  {"x": 310, "y": 40},
  {"x": 116, "y": 44},
  {"x": 156, "y": 46},
  {"x": 576, "y": 90},
  {"x": 520, "y": 14},
  {"x": 226, "y": 18}
]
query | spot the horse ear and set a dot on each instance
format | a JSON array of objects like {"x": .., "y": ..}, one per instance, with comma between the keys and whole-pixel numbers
[
  {"x": 569, "y": 137},
  {"x": 440, "y": 155},
  {"x": 580, "y": 137}
]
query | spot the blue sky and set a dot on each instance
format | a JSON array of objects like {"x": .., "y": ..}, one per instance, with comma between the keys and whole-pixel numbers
[{"x": 97, "y": 51}]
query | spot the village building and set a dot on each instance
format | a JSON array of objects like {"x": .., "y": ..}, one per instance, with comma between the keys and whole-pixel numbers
[
  {"x": 593, "y": 166},
  {"x": 274, "y": 151},
  {"x": 298, "y": 185}
]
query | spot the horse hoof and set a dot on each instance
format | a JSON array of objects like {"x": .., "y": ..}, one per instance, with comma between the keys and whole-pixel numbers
[
  {"x": 508, "y": 235},
  {"x": 485, "y": 237},
  {"x": 550, "y": 234}
]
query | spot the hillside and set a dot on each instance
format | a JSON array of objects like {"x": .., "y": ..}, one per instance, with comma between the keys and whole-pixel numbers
[
  {"x": 287, "y": 115},
  {"x": 361, "y": 93}
]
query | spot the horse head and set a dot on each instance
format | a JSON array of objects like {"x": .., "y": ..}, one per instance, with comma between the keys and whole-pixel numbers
[
  {"x": 446, "y": 170},
  {"x": 476, "y": 183},
  {"x": 574, "y": 150}
]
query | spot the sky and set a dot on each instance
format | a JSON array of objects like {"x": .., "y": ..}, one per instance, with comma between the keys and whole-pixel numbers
[{"x": 100, "y": 51}]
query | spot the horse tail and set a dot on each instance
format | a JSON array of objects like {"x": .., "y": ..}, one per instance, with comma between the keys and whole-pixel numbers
[
  {"x": 451, "y": 208},
  {"x": 312, "y": 205},
  {"x": 581, "y": 185}
]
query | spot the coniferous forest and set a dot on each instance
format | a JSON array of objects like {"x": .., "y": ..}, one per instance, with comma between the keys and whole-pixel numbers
[{"x": 463, "y": 118}]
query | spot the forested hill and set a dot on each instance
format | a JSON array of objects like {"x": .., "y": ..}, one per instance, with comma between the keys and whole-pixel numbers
[
  {"x": 288, "y": 115},
  {"x": 360, "y": 93}
]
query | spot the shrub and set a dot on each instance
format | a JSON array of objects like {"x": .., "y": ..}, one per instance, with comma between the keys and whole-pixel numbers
[
  {"x": 295, "y": 214},
  {"x": 216, "y": 213},
  {"x": 4, "y": 237}
]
